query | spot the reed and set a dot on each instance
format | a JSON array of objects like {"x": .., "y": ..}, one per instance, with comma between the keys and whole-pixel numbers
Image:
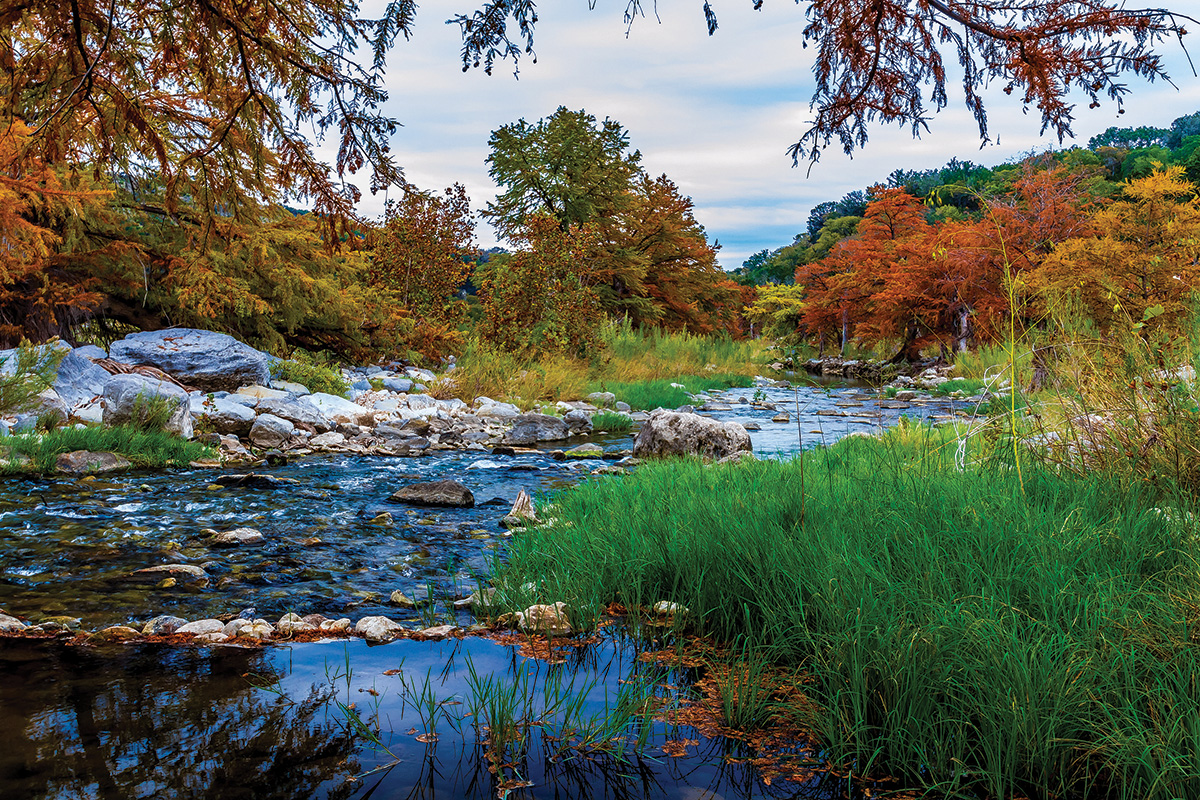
[{"x": 966, "y": 627}]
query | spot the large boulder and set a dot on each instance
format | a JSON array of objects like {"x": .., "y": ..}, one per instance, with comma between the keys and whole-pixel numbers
[
  {"x": 534, "y": 428},
  {"x": 670, "y": 433},
  {"x": 77, "y": 381},
  {"x": 127, "y": 399},
  {"x": 206, "y": 360},
  {"x": 435, "y": 493}
]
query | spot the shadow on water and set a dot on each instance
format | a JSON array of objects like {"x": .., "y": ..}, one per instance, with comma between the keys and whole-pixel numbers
[{"x": 152, "y": 721}]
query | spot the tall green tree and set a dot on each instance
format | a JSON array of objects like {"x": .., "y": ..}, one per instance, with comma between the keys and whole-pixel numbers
[{"x": 567, "y": 165}]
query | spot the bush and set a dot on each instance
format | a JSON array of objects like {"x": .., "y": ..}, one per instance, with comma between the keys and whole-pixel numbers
[
  {"x": 315, "y": 376},
  {"x": 33, "y": 373}
]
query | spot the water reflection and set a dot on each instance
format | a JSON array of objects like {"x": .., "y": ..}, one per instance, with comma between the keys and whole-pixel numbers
[{"x": 152, "y": 721}]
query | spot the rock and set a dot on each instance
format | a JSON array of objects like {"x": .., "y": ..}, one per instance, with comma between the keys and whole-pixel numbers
[
  {"x": 185, "y": 573},
  {"x": 738, "y": 457},
  {"x": 417, "y": 402},
  {"x": 378, "y": 629},
  {"x": 206, "y": 360},
  {"x": 115, "y": 633},
  {"x": 202, "y": 626},
  {"x": 237, "y": 536},
  {"x": 258, "y": 629},
  {"x": 11, "y": 624},
  {"x": 906, "y": 396},
  {"x": 57, "y": 624},
  {"x": 342, "y": 624},
  {"x": 339, "y": 409},
  {"x": 478, "y": 600},
  {"x": 297, "y": 389},
  {"x": 782, "y": 416},
  {"x": 254, "y": 480},
  {"x": 437, "y": 631},
  {"x": 494, "y": 410},
  {"x": 331, "y": 440},
  {"x": 420, "y": 597},
  {"x": 623, "y": 407},
  {"x": 216, "y": 637},
  {"x": 668, "y": 433},
  {"x": 585, "y": 451},
  {"x": 548, "y": 619},
  {"x": 85, "y": 462},
  {"x": 602, "y": 399},
  {"x": 666, "y": 607},
  {"x": 292, "y": 623},
  {"x": 128, "y": 397},
  {"x": 447, "y": 493},
  {"x": 271, "y": 431},
  {"x": 398, "y": 385},
  {"x": 91, "y": 351},
  {"x": 297, "y": 411},
  {"x": 533, "y": 428},
  {"x": 752, "y": 426},
  {"x": 163, "y": 626},
  {"x": 77, "y": 380},
  {"x": 578, "y": 421},
  {"x": 224, "y": 415},
  {"x": 255, "y": 392}
]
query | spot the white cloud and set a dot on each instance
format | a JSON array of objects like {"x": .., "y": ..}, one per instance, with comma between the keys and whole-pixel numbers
[{"x": 716, "y": 114}]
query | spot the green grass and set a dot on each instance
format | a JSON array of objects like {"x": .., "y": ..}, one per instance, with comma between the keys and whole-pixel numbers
[
  {"x": 611, "y": 422},
  {"x": 982, "y": 631},
  {"x": 145, "y": 449},
  {"x": 645, "y": 395},
  {"x": 315, "y": 377},
  {"x": 969, "y": 386}
]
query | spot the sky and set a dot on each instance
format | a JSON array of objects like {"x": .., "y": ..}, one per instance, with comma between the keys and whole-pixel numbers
[{"x": 716, "y": 114}]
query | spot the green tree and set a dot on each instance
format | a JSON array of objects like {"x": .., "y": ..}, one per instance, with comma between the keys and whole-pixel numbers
[{"x": 567, "y": 165}]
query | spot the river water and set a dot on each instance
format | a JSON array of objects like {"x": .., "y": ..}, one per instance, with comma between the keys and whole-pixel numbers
[{"x": 151, "y": 721}]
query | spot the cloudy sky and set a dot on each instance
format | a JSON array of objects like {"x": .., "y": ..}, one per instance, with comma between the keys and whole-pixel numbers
[{"x": 715, "y": 114}]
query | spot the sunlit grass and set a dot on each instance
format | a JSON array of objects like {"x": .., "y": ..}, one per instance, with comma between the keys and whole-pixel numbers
[{"x": 145, "y": 449}]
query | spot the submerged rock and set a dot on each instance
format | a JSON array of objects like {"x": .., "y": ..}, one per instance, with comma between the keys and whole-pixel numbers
[
  {"x": 237, "y": 536},
  {"x": 184, "y": 573},
  {"x": 669, "y": 433},
  {"x": 447, "y": 493}
]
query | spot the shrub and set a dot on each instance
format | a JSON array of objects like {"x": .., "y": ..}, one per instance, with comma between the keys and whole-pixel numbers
[{"x": 307, "y": 372}]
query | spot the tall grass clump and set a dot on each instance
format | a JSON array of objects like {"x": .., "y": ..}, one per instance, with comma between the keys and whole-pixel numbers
[
  {"x": 669, "y": 393},
  {"x": 611, "y": 422},
  {"x": 966, "y": 627},
  {"x": 633, "y": 355},
  {"x": 144, "y": 448}
]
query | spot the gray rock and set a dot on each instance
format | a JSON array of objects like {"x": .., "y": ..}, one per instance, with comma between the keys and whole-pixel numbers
[
  {"x": 204, "y": 359},
  {"x": 85, "y": 462},
  {"x": 534, "y": 428},
  {"x": 224, "y": 414},
  {"x": 437, "y": 631},
  {"x": 126, "y": 398},
  {"x": 297, "y": 389},
  {"x": 668, "y": 433},
  {"x": 400, "y": 385},
  {"x": 49, "y": 404},
  {"x": 77, "y": 381},
  {"x": 623, "y": 407},
  {"x": 293, "y": 623},
  {"x": 211, "y": 638},
  {"x": 435, "y": 493},
  {"x": 91, "y": 351},
  {"x": 297, "y": 411},
  {"x": 339, "y": 409},
  {"x": 254, "y": 393},
  {"x": 163, "y": 626},
  {"x": 379, "y": 629},
  {"x": 418, "y": 402},
  {"x": 271, "y": 431},
  {"x": 578, "y": 421},
  {"x": 331, "y": 440},
  {"x": 493, "y": 410}
]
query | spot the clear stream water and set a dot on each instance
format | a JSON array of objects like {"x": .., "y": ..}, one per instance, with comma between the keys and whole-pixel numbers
[{"x": 151, "y": 721}]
